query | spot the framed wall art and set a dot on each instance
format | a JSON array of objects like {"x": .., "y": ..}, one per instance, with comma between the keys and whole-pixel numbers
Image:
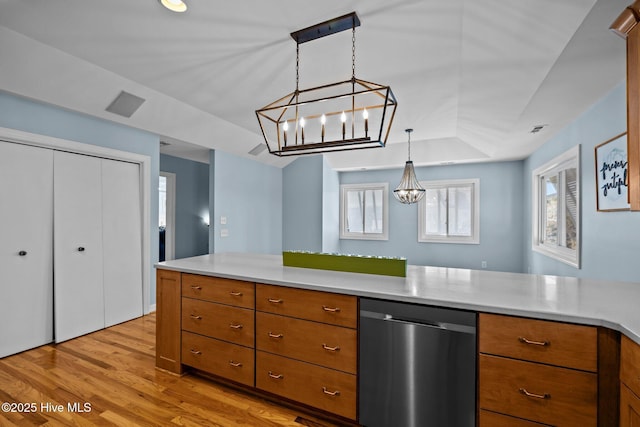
[{"x": 611, "y": 174}]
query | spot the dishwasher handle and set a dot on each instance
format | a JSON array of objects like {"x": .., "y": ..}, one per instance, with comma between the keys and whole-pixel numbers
[{"x": 418, "y": 322}]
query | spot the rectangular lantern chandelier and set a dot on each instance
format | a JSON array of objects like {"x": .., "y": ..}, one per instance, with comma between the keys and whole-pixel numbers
[{"x": 347, "y": 115}]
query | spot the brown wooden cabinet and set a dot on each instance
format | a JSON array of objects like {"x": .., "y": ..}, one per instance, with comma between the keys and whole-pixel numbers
[
  {"x": 629, "y": 383},
  {"x": 307, "y": 347},
  {"x": 493, "y": 419},
  {"x": 626, "y": 26},
  {"x": 545, "y": 372},
  {"x": 629, "y": 408},
  {"x": 218, "y": 321},
  {"x": 300, "y": 345},
  {"x": 168, "y": 320}
]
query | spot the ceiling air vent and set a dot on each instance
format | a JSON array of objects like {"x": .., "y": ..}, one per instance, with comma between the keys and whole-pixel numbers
[
  {"x": 538, "y": 128},
  {"x": 125, "y": 104},
  {"x": 258, "y": 149}
]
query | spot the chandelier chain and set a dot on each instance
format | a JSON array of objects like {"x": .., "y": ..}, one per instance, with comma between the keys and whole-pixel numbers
[
  {"x": 297, "y": 67},
  {"x": 353, "y": 51}
]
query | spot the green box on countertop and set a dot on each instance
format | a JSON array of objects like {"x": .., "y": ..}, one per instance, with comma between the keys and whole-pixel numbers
[{"x": 350, "y": 263}]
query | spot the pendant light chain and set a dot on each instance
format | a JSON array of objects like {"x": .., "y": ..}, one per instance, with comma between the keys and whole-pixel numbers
[
  {"x": 409, "y": 146},
  {"x": 353, "y": 52},
  {"x": 297, "y": 68}
]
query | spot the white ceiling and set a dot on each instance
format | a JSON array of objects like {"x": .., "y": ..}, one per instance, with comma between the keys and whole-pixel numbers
[{"x": 472, "y": 77}]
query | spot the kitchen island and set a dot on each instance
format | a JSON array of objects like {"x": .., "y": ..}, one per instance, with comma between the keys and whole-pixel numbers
[
  {"x": 580, "y": 319},
  {"x": 615, "y": 305}
]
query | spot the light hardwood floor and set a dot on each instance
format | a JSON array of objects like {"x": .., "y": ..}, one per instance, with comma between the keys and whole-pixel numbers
[{"x": 113, "y": 372}]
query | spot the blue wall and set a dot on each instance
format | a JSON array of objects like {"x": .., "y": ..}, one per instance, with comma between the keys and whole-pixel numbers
[
  {"x": 610, "y": 240},
  {"x": 330, "y": 208},
  {"x": 302, "y": 204},
  {"x": 192, "y": 205},
  {"x": 311, "y": 205},
  {"x": 34, "y": 117},
  {"x": 249, "y": 195},
  {"x": 501, "y": 219}
]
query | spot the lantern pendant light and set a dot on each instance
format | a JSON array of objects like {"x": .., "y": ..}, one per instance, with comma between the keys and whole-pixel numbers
[
  {"x": 345, "y": 115},
  {"x": 409, "y": 190}
]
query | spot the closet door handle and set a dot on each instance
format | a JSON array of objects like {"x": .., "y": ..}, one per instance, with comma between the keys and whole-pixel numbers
[
  {"x": 22, "y": 253},
  {"x": 81, "y": 249}
]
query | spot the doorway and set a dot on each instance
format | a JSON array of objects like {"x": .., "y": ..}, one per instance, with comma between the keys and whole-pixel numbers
[{"x": 166, "y": 216}]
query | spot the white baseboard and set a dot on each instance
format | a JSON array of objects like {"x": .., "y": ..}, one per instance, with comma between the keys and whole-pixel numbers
[{"x": 152, "y": 308}]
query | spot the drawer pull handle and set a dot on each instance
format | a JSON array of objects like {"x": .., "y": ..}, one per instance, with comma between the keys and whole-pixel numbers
[
  {"x": 278, "y": 336},
  {"x": 540, "y": 343},
  {"x": 326, "y": 347},
  {"x": 537, "y": 396},
  {"x": 235, "y": 294},
  {"x": 276, "y": 376},
  {"x": 331, "y": 309},
  {"x": 196, "y": 352},
  {"x": 196, "y": 288},
  {"x": 235, "y": 364},
  {"x": 196, "y": 317},
  {"x": 275, "y": 301},
  {"x": 236, "y": 326},
  {"x": 330, "y": 393}
]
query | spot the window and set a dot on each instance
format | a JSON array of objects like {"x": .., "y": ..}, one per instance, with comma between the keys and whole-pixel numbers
[
  {"x": 364, "y": 211},
  {"x": 556, "y": 204},
  {"x": 449, "y": 212}
]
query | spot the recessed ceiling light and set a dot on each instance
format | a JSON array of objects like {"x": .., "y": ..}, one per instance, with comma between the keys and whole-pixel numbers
[{"x": 174, "y": 5}]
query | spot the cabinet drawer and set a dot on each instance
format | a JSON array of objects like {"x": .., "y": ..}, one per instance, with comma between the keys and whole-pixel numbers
[
  {"x": 218, "y": 321},
  {"x": 322, "y": 307},
  {"x": 332, "y": 346},
  {"x": 558, "y": 396},
  {"x": 629, "y": 408},
  {"x": 630, "y": 364},
  {"x": 561, "y": 344},
  {"x": 312, "y": 385},
  {"x": 216, "y": 289},
  {"x": 491, "y": 419},
  {"x": 221, "y": 358}
]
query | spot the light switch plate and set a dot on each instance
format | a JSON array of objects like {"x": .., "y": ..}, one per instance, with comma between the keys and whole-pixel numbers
[
  {"x": 224, "y": 232},
  {"x": 223, "y": 220}
]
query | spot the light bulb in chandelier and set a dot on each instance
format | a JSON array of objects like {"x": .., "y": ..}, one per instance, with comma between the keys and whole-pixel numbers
[
  {"x": 365, "y": 116},
  {"x": 409, "y": 190},
  {"x": 302, "y": 123},
  {"x": 285, "y": 128}
]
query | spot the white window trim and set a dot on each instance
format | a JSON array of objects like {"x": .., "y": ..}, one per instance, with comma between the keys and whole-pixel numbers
[
  {"x": 562, "y": 254},
  {"x": 474, "y": 239},
  {"x": 344, "y": 234}
]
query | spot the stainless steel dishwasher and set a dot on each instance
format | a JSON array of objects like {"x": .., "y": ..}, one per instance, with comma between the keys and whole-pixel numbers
[{"x": 417, "y": 365}]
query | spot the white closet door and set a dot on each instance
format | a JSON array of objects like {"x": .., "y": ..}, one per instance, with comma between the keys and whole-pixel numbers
[
  {"x": 78, "y": 289},
  {"x": 26, "y": 229},
  {"x": 121, "y": 222}
]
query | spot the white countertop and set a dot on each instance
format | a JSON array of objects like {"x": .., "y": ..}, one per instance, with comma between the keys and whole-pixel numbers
[{"x": 615, "y": 305}]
